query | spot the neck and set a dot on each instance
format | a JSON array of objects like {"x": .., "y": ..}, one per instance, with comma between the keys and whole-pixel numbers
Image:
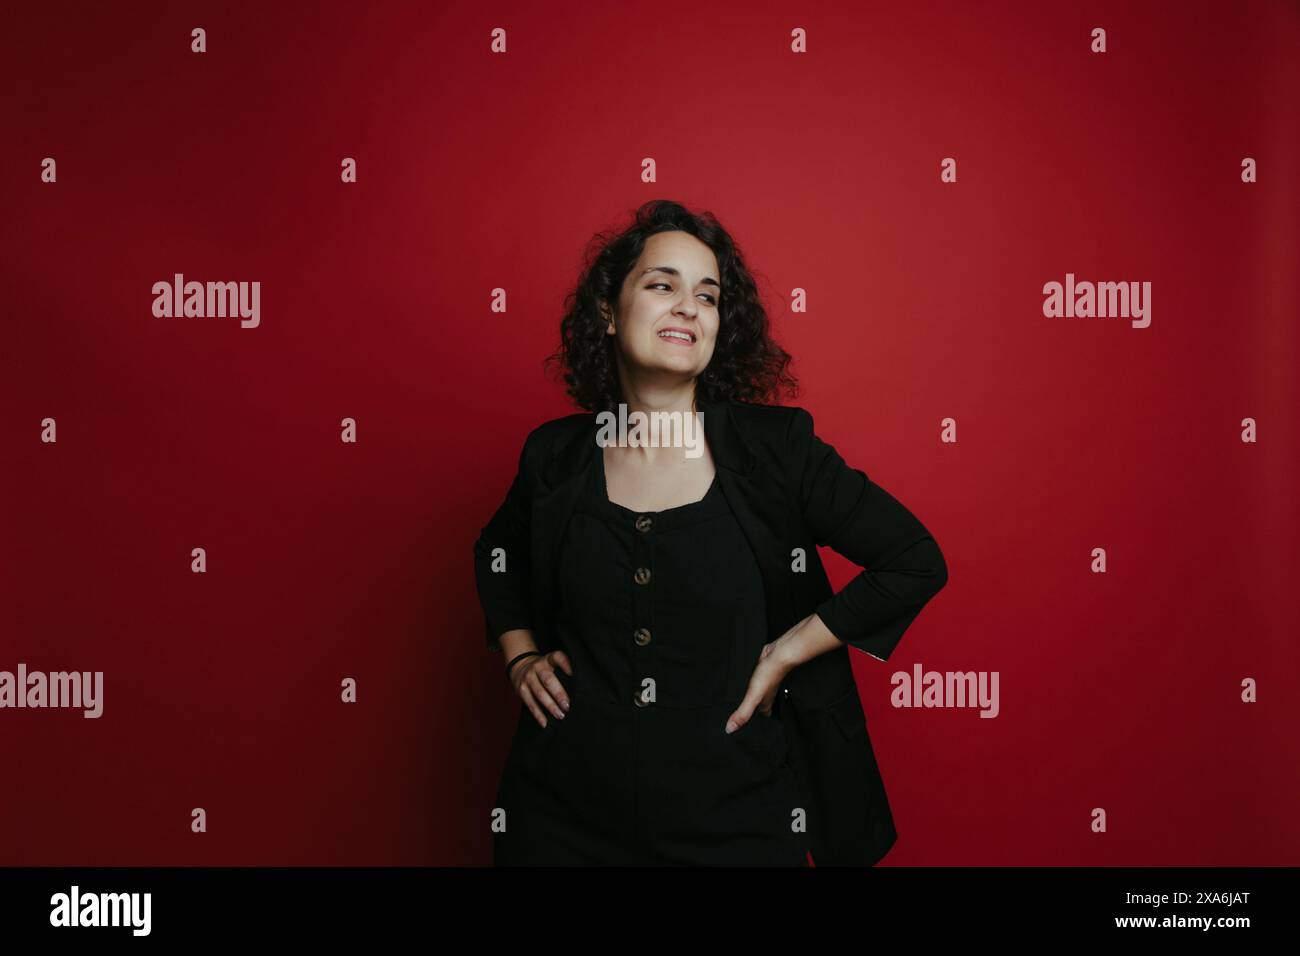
[
  {"x": 648, "y": 395},
  {"x": 641, "y": 394}
]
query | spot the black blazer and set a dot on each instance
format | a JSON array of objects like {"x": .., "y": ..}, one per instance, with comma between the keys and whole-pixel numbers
[{"x": 789, "y": 490}]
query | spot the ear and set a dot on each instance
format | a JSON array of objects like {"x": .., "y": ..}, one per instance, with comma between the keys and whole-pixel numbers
[{"x": 609, "y": 319}]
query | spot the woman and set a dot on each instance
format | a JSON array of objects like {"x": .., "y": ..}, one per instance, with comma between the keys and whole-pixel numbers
[{"x": 681, "y": 661}]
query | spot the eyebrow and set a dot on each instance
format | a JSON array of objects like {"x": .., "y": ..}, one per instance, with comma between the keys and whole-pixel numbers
[{"x": 673, "y": 272}]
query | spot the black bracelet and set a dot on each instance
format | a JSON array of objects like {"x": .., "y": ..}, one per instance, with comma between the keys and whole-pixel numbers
[{"x": 511, "y": 665}]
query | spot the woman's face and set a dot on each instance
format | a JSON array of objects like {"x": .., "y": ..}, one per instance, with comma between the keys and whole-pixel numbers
[{"x": 667, "y": 318}]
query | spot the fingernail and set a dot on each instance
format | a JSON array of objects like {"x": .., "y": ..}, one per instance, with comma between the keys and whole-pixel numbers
[{"x": 730, "y": 726}]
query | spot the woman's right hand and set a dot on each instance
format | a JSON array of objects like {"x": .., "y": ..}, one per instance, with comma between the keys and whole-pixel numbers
[{"x": 539, "y": 687}]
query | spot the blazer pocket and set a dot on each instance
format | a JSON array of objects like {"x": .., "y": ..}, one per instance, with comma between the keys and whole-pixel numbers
[{"x": 848, "y": 715}]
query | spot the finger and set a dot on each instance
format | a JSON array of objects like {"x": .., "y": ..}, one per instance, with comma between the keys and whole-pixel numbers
[
  {"x": 526, "y": 696},
  {"x": 740, "y": 717},
  {"x": 542, "y": 695},
  {"x": 552, "y": 684},
  {"x": 562, "y": 659}
]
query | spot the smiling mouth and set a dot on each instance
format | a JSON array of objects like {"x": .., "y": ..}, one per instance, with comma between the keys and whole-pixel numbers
[{"x": 678, "y": 336}]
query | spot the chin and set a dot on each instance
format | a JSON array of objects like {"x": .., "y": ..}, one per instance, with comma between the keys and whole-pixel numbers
[{"x": 685, "y": 371}]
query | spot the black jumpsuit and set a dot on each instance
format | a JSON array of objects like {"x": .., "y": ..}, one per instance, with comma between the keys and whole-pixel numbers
[{"x": 631, "y": 776}]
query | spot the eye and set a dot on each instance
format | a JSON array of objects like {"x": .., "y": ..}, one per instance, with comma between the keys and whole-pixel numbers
[{"x": 665, "y": 285}]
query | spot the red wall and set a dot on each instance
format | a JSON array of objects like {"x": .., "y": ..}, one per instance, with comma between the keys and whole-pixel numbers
[{"x": 476, "y": 171}]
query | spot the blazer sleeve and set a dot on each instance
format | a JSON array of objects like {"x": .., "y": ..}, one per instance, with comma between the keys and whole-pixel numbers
[
  {"x": 845, "y": 510},
  {"x": 502, "y": 553}
]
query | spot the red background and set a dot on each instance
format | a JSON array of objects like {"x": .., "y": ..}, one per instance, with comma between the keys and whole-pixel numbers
[{"x": 327, "y": 560}]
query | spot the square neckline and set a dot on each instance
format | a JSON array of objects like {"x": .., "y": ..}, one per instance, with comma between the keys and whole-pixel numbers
[{"x": 603, "y": 488}]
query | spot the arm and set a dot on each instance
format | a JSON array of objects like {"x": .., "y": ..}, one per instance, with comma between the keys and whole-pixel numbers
[
  {"x": 505, "y": 594},
  {"x": 902, "y": 564}
]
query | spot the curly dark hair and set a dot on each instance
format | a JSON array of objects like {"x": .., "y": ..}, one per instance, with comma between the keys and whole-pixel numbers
[{"x": 747, "y": 364}]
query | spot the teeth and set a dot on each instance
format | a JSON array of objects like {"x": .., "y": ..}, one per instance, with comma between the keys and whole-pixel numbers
[{"x": 668, "y": 333}]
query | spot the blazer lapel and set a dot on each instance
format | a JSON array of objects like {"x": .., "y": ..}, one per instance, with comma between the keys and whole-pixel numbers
[
  {"x": 755, "y": 499},
  {"x": 553, "y": 505}
]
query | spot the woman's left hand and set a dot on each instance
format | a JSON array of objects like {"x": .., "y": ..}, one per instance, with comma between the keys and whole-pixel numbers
[
  {"x": 804, "y": 641},
  {"x": 763, "y": 686}
]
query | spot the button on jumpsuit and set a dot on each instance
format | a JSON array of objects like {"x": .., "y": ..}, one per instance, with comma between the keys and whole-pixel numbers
[{"x": 662, "y": 617}]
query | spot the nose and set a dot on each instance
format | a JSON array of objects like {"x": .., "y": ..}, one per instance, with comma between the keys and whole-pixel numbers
[{"x": 687, "y": 308}]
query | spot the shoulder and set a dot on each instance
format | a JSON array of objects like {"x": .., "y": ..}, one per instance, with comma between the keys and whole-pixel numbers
[
  {"x": 546, "y": 439},
  {"x": 764, "y": 414},
  {"x": 784, "y": 438},
  {"x": 560, "y": 427},
  {"x": 774, "y": 427}
]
